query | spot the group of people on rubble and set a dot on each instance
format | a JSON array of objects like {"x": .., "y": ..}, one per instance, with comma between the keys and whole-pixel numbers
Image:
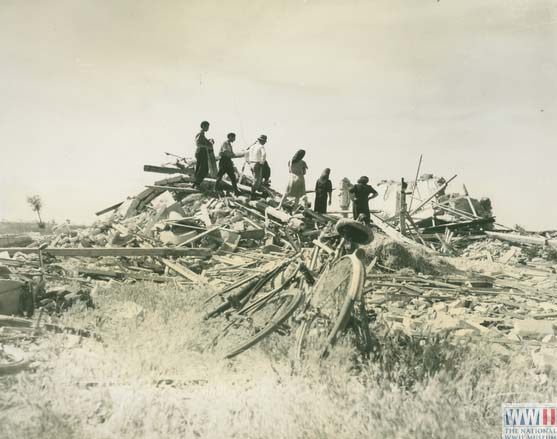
[{"x": 256, "y": 159}]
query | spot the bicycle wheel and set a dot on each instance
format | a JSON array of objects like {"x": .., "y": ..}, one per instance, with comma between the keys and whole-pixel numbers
[
  {"x": 237, "y": 299},
  {"x": 263, "y": 320},
  {"x": 332, "y": 302}
]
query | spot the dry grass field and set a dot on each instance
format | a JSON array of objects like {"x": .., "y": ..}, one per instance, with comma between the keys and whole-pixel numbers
[{"x": 155, "y": 375}]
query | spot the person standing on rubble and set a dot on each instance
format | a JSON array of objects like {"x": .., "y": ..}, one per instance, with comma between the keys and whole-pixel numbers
[
  {"x": 257, "y": 156},
  {"x": 203, "y": 145},
  {"x": 266, "y": 174},
  {"x": 362, "y": 193},
  {"x": 297, "y": 182},
  {"x": 323, "y": 191},
  {"x": 226, "y": 166},
  {"x": 344, "y": 196}
]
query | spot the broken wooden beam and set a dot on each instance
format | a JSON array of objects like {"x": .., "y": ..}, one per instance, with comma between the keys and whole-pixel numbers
[
  {"x": 441, "y": 189},
  {"x": 198, "y": 237},
  {"x": 522, "y": 239},
  {"x": 323, "y": 246},
  {"x": 253, "y": 234},
  {"x": 320, "y": 218},
  {"x": 185, "y": 272},
  {"x": 459, "y": 225},
  {"x": 188, "y": 190},
  {"x": 395, "y": 234},
  {"x": 94, "y": 273},
  {"x": 109, "y": 209},
  {"x": 113, "y": 251},
  {"x": 165, "y": 170}
]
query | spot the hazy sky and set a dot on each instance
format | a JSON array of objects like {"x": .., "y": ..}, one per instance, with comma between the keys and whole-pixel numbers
[{"x": 92, "y": 90}]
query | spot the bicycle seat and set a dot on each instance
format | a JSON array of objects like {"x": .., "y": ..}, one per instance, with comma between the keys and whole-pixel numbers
[{"x": 354, "y": 231}]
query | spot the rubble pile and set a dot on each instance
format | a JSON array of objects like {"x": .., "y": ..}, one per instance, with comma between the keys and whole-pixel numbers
[
  {"x": 494, "y": 284},
  {"x": 498, "y": 306},
  {"x": 169, "y": 232}
]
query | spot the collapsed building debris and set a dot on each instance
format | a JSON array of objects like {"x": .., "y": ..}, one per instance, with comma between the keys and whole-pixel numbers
[{"x": 238, "y": 246}]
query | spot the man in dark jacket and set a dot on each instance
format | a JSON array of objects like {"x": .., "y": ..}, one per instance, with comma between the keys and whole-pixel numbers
[
  {"x": 201, "y": 154},
  {"x": 362, "y": 193},
  {"x": 226, "y": 166}
]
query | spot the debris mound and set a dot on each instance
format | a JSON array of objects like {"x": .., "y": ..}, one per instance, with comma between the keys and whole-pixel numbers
[
  {"x": 395, "y": 256},
  {"x": 440, "y": 267}
]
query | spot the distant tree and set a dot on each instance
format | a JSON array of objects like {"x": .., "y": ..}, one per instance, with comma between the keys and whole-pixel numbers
[{"x": 37, "y": 205}]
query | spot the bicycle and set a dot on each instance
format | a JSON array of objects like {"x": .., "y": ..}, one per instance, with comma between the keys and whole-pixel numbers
[
  {"x": 253, "y": 316},
  {"x": 331, "y": 308}
]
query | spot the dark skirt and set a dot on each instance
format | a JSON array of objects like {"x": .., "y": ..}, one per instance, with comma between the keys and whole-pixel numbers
[
  {"x": 361, "y": 210},
  {"x": 320, "y": 203}
]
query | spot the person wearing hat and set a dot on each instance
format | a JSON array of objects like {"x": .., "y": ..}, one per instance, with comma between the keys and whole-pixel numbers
[
  {"x": 362, "y": 193},
  {"x": 257, "y": 155},
  {"x": 226, "y": 166},
  {"x": 203, "y": 145}
]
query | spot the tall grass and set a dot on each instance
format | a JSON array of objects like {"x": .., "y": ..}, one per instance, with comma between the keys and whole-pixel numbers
[{"x": 155, "y": 375}]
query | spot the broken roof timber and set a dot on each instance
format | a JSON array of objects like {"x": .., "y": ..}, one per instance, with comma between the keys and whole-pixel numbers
[
  {"x": 395, "y": 234},
  {"x": 522, "y": 239},
  {"x": 114, "y": 251}
]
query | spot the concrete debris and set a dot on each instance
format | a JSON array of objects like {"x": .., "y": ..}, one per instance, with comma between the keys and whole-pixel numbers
[{"x": 447, "y": 271}]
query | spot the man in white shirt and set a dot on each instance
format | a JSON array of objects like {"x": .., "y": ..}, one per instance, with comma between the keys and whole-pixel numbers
[{"x": 256, "y": 158}]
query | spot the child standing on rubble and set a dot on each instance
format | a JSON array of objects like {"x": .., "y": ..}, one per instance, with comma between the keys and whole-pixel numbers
[{"x": 362, "y": 193}]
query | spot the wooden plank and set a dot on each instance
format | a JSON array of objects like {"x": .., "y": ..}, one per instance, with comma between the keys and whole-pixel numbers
[
  {"x": 441, "y": 189},
  {"x": 253, "y": 234},
  {"x": 174, "y": 180},
  {"x": 323, "y": 246},
  {"x": 198, "y": 237},
  {"x": 453, "y": 210},
  {"x": 109, "y": 209},
  {"x": 185, "y": 272},
  {"x": 318, "y": 217},
  {"x": 519, "y": 239},
  {"x": 395, "y": 234},
  {"x": 121, "y": 275},
  {"x": 188, "y": 190},
  {"x": 204, "y": 212},
  {"x": 415, "y": 184},
  {"x": 114, "y": 251},
  {"x": 457, "y": 225},
  {"x": 164, "y": 170},
  {"x": 277, "y": 214}
]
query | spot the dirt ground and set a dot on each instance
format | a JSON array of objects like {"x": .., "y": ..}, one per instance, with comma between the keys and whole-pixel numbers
[{"x": 156, "y": 375}]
